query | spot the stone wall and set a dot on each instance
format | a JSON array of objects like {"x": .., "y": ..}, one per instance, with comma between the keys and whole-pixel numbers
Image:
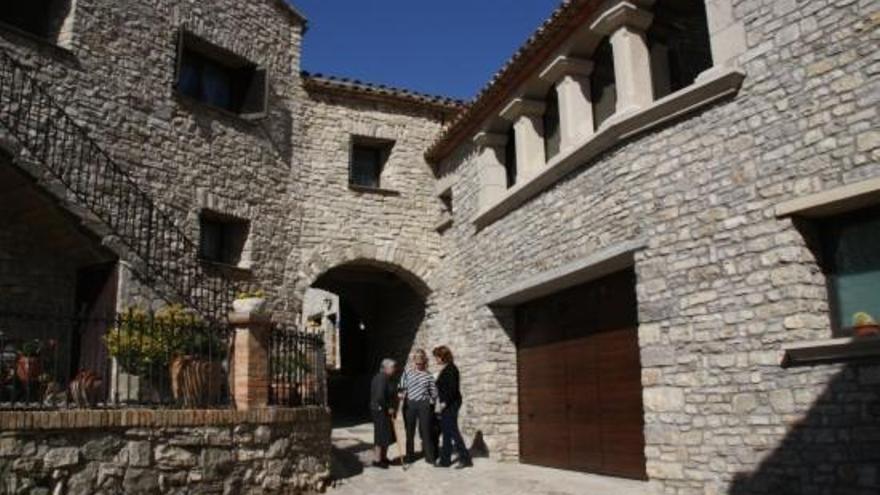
[
  {"x": 115, "y": 74},
  {"x": 141, "y": 452},
  {"x": 723, "y": 283}
]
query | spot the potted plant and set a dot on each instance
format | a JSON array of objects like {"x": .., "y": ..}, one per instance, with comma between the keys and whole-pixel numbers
[
  {"x": 28, "y": 366},
  {"x": 864, "y": 325},
  {"x": 196, "y": 368},
  {"x": 250, "y": 302}
]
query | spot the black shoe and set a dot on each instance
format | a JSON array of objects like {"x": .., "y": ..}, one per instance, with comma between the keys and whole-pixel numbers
[
  {"x": 464, "y": 464},
  {"x": 441, "y": 464},
  {"x": 381, "y": 464}
]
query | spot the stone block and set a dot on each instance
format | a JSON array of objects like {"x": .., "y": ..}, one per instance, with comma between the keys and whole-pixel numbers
[{"x": 61, "y": 457}]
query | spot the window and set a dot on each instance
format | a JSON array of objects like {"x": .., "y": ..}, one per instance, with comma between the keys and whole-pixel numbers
[
  {"x": 602, "y": 86},
  {"x": 552, "y": 134},
  {"x": 679, "y": 43},
  {"x": 221, "y": 79},
  {"x": 851, "y": 257},
  {"x": 368, "y": 157},
  {"x": 222, "y": 238},
  {"x": 510, "y": 157},
  {"x": 42, "y": 18}
]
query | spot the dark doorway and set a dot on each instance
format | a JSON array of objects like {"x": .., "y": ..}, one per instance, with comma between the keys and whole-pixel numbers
[
  {"x": 579, "y": 373},
  {"x": 380, "y": 315}
]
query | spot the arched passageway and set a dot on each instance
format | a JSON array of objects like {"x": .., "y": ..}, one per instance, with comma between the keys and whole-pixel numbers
[{"x": 377, "y": 314}]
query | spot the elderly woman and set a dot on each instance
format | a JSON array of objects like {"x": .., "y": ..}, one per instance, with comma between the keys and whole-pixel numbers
[
  {"x": 448, "y": 404},
  {"x": 382, "y": 411},
  {"x": 418, "y": 393}
]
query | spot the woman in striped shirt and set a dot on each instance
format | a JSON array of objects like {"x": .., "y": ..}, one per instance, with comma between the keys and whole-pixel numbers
[{"x": 418, "y": 393}]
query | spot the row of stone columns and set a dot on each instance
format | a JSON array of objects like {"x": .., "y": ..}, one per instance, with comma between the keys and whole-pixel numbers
[{"x": 625, "y": 24}]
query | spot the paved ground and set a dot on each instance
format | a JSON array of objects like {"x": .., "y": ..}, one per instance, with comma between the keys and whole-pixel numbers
[{"x": 353, "y": 476}]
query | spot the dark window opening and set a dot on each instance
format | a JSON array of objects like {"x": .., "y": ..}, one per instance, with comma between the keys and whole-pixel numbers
[
  {"x": 679, "y": 43},
  {"x": 510, "y": 158},
  {"x": 41, "y": 18},
  {"x": 851, "y": 260},
  {"x": 603, "y": 89},
  {"x": 368, "y": 157},
  {"x": 552, "y": 131},
  {"x": 222, "y": 238},
  {"x": 216, "y": 77},
  {"x": 446, "y": 199}
]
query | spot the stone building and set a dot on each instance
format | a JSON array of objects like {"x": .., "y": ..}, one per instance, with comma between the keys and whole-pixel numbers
[{"x": 645, "y": 238}]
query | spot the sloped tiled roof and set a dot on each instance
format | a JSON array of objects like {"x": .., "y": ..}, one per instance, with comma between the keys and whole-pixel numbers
[
  {"x": 570, "y": 15},
  {"x": 448, "y": 106}
]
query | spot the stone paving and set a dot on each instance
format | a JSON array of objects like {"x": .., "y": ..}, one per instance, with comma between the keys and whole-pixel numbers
[{"x": 352, "y": 474}]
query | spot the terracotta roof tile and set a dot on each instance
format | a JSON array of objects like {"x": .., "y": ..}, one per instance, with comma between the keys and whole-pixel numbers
[
  {"x": 355, "y": 87},
  {"x": 570, "y": 15}
]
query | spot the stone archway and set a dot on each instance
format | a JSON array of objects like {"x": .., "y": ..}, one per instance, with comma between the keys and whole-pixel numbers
[{"x": 383, "y": 295}]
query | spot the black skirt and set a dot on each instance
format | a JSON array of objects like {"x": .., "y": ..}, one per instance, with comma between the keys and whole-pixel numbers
[{"x": 383, "y": 432}]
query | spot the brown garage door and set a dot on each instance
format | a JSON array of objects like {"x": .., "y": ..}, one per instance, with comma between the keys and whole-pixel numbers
[{"x": 580, "y": 388}]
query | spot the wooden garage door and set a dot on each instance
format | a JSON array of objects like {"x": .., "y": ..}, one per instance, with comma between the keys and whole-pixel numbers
[{"x": 580, "y": 389}]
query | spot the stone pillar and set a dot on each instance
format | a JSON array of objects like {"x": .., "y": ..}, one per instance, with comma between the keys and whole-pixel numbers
[
  {"x": 527, "y": 117},
  {"x": 571, "y": 76},
  {"x": 250, "y": 361},
  {"x": 625, "y": 23},
  {"x": 490, "y": 167}
]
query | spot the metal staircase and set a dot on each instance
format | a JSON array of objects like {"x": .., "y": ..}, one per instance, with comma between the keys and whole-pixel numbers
[{"x": 66, "y": 160}]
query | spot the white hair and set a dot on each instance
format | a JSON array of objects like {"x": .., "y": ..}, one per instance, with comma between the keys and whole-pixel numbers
[{"x": 388, "y": 364}]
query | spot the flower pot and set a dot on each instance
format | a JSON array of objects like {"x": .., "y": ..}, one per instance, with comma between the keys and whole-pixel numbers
[
  {"x": 866, "y": 330},
  {"x": 196, "y": 381},
  {"x": 252, "y": 305},
  {"x": 28, "y": 369}
]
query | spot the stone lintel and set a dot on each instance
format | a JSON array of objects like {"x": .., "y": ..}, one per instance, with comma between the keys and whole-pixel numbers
[
  {"x": 833, "y": 201},
  {"x": 622, "y": 14},
  {"x": 563, "y": 66},
  {"x": 520, "y": 107},
  {"x": 487, "y": 139},
  {"x": 596, "y": 265}
]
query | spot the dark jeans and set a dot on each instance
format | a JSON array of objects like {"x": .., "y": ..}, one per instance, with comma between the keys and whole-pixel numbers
[
  {"x": 451, "y": 434},
  {"x": 421, "y": 412}
]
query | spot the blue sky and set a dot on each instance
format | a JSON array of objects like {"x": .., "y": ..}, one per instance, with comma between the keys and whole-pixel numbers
[{"x": 446, "y": 47}]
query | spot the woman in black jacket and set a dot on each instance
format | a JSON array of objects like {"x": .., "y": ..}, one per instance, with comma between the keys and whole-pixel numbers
[{"x": 448, "y": 403}]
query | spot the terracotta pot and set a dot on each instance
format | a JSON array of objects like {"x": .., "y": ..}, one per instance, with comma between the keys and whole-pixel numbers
[
  {"x": 196, "y": 381},
  {"x": 866, "y": 330},
  {"x": 250, "y": 305},
  {"x": 28, "y": 369}
]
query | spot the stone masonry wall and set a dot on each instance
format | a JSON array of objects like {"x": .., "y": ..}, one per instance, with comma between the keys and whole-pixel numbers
[
  {"x": 289, "y": 455},
  {"x": 723, "y": 283},
  {"x": 393, "y": 229},
  {"x": 116, "y": 76}
]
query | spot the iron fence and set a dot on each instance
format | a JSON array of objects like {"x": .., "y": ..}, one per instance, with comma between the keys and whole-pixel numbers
[
  {"x": 94, "y": 181},
  {"x": 297, "y": 375},
  {"x": 136, "y": 359}
]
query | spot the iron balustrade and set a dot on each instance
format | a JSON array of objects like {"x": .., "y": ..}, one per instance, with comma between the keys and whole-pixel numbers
[
  {"x": 169, "y": 258},
  {"x": 297, "y": 369},
  {"x": 167, "y": 359}
]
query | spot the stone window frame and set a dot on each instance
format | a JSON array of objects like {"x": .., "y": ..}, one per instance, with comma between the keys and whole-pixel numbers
[
  {"x": 624, "y": 22},
  {"x": 242, "y": 245},
  {"x": 60, "y": 24},
  {"x": 384, "y": 147},
  {"x": 808, "y": 210},
  {"x": 188, "y": 40}
]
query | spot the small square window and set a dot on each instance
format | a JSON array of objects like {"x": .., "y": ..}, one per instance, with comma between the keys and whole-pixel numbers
[
  {"x": 368, "y": 157},
  {"x": 219, "y": 78},
  {"x": 222, "y": 238},
  {"x": 851, "y": 255}
]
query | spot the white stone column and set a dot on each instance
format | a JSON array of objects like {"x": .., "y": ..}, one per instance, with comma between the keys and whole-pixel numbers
[
  {"x": 571, "y": 76},
  {"x": 625, "y": 23},
  {"x": 490, "y": 168},
  {"x": 528, "y": 126}
]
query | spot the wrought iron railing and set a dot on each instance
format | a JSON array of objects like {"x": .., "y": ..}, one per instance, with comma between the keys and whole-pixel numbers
[
  {"x": 297, "y": 374},
  {"x": 167, "y": 359},
  {"x": 169, "y": 259}
]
